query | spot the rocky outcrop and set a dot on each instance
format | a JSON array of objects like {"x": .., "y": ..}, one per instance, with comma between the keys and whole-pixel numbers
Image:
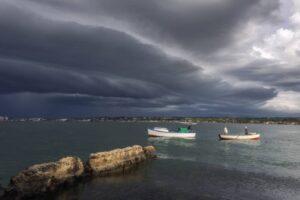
[
  {"x": 118, "y": 160},
  {"x": 41, "y": 178}
]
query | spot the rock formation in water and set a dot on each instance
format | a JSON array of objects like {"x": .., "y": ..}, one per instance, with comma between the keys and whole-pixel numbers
[
  {"x": 41, "y": 178},
  {"x": 45, "y": 177},
  {"x": 118, "y": 160}
]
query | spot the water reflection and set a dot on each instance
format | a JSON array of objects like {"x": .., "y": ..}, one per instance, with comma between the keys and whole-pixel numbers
[
  {"x": 243, "y": 142},
  {"x": 163, "y": 141},
  {"x": 174, "y": 148},
  {"x": 172, "y": 157},
  {"x": 101, "y": 187}
]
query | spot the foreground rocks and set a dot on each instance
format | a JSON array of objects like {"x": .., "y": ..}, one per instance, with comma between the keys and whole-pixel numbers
[
  {"x": 42, "y": 178},
  {"x": 118, "y": 160}
]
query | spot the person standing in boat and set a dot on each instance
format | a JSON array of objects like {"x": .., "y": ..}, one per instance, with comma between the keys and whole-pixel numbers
[
  {"x": 190, "y": 129},
  {"x": 225, "y": 130},
  {"x": 246, "y": 130}
]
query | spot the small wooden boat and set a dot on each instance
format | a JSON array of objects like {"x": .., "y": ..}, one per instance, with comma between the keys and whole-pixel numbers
[
  {"x": 164, "y": 132},
  {"x": 249, "y": 136}
]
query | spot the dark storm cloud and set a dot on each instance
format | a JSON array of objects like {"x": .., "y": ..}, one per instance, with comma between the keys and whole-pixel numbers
[
  {"x": 70, "y": 46},
  {"x": 57, "y": 67},
  {"x": 58, "y": 105},
  {"x": 270, "y": 73},
  {"x": 20, "y": 76},
  {"x": 88, "y": 60},
  {"x": 255, "y": 93},
  {"x": 196, "y": 26}
]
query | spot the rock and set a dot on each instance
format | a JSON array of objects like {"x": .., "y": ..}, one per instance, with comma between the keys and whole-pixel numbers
[
  {"x": 116, "y": 161},
  {"x": 45, "y": 177},
  {"x": 42, "y": 178},
  {"x": 150, "y": 151}
]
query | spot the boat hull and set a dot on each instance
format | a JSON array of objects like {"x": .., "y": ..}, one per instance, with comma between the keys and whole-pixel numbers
[
  {"x": 251, "y": 136},
  {"x": 154, "y": 133}
]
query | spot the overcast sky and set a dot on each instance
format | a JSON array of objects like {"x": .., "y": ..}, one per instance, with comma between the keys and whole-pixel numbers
[{"x": 141, "y": 57}]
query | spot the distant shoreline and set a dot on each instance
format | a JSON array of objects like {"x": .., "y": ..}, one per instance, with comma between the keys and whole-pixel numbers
[{"x": 182, "y": 120}]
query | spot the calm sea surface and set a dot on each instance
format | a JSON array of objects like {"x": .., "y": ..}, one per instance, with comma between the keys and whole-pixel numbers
[{"x": 204, "y": 168}]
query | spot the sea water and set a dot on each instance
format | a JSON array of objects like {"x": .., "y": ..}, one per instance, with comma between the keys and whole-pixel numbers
[{"x": 203, "y": 168}]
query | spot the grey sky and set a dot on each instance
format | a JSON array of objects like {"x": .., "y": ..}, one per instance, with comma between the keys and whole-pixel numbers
[{"x": 138, "y": 57}]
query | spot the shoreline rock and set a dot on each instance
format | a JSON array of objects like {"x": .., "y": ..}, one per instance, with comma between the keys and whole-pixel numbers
[
  {"x": 117, "y": 161},
  {"x": 40, "y": 179}
]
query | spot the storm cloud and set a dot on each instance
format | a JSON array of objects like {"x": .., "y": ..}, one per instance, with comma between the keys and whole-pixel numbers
[
  {"x": 195, "y": 26},
  {"x": 75, "y": 58}
]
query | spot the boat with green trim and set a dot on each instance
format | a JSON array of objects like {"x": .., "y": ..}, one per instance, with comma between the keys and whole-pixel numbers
[{"x": 182, "y": 132}]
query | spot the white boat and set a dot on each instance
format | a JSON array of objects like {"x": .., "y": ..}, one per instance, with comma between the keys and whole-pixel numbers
[
  {"x": 246, "y": 136},
  {"x": 249, "y": 136},
  {"x": 164, "y": 132}
]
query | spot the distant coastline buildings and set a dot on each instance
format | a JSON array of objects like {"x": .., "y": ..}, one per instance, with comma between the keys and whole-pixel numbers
[{"x": 182, "y": 120}]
